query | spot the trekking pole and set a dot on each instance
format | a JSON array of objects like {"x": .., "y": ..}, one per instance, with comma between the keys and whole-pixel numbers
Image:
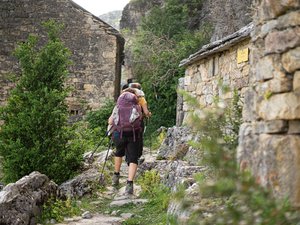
[
  {"x": 101, "y": 179},
  {"x": 99, "y": 144},
  {"x": 150, "y": 136}
]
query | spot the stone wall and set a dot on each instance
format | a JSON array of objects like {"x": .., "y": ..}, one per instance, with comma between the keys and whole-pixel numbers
[
  {"x": 270, "y": 136},
  {"x": 214, "y": 67},
  {"x": 96, "y": 47}
]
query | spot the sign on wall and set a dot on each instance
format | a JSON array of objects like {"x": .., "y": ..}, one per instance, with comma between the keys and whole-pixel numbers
[{"x": 242, "y": 55}]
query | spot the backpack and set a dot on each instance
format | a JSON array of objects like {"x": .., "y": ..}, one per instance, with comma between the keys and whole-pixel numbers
[{"x": 128, "y": 114}]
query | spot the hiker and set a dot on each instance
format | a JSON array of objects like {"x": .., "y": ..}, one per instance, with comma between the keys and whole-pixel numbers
[
  {"x": 126, "y": 121},
  {"x": 142, "y": 101}
]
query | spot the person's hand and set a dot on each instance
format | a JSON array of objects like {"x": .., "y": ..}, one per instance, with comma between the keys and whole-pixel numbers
[{"x": 149, "y": 114}]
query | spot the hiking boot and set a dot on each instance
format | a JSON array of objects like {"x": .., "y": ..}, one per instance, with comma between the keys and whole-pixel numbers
[
  {"x": 115, "y": 179},
  {"x": 129, "y": 188}
]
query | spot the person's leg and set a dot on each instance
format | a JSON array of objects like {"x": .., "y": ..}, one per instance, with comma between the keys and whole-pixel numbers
[
  {"x": 120, "y": 152},
  {"x": 118, "y": 162},
  {"x": 132, "y": 152},
  {"x": 132, "y": 171}
]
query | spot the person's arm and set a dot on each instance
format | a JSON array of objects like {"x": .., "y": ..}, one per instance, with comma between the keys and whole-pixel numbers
[
  {"x": 110, "y": 120},
  {"x": 143, "y": 104}
]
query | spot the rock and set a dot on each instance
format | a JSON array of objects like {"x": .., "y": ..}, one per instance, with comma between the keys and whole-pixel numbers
[
  {"x": 87, "y": 181},
  {"x": 115, "y": 212},
  {"x": 280, "y": 41},
  {"x": 98, "y": 219},
  {"x": 122, "y": 202},
  {"x": 86, "y": 215},
  {"x": 21, "y": 202},
  {"x": 283, "y": 107},
  {"x": 127, "y": 215},
  {"x": 291, "y": 60},
  {"x": 81, "y": 185},
  {"x": 175, "y": 145}
]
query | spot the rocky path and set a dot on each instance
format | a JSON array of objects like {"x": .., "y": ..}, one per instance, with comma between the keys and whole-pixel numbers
[{"x": 117, "y": 199}]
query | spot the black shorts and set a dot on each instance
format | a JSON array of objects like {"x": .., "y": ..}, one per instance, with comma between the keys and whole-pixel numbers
[{"x": 128, "y": 145}]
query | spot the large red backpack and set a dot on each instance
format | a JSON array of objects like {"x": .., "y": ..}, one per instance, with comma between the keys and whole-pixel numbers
[{"x": 129, "y": 114}]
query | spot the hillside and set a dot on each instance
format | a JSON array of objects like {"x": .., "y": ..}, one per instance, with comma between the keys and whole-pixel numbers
[{"x": 112, "y": 18}]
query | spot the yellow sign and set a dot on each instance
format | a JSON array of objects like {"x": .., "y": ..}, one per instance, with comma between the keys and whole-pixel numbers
[{"x": 242, "y": 55}]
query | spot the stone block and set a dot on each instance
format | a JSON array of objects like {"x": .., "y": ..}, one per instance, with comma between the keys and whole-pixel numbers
[
  {"x": 277, "y": 85},
  {"x": 271, "y": 127},
  {"x": 249, "y": 108},
  {"x": 294, "y": 127},
  {"x": 289, "y": 20},
  {"x": 109, "y": 55},
  {"x": 296, "y": 82},
  {"x": 248, "y": 143},
  {"x": 187, "y": 80},
  {"x": 267, "y": 28},
  {"x": 267, "y": 67},
  {"x": 271, "y": 9},
  {"x": 278, "y": 165},
  {"x": 199, "y": 88},
  {"x": 189, "y": 71},
  {"x": 89, "y": 87},
  {"x": 291, "y": 60},
  {"x": 284, "y": 106},
  {"x": 280, "y": 41}
]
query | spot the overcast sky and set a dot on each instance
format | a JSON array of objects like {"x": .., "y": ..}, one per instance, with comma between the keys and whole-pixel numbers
[{"x": 99, "y": 7}]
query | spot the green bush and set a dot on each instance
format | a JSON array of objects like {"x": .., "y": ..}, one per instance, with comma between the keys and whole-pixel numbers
[
  {"x": 149, "y": 181},
  {"x": 35, "y": 135},
  {"x": 99, "y": 118},
  {"x": 161, "y": 42},
  {"x": 58, "y": 209},
  {"x": 98, "y": 121}
]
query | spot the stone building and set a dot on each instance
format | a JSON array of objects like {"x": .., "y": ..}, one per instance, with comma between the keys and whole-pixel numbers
[
  {"x": 96, "y": 47},
  {"x": 269, "y": 141},
  {"x": 223, "y": 63}
]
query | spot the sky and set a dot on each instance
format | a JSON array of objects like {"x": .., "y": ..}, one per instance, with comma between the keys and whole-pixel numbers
[{"x": 99, "y": 7}]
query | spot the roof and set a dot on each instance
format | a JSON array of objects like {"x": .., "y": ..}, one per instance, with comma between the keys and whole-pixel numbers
[{"x": 219, "y": 46}]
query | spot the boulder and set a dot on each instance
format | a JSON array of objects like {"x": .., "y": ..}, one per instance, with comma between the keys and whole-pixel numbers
[
  {"x": 175, "y": 145},
  {"x": 88, "y": 180},
  {"x": 21, "y": 202}
]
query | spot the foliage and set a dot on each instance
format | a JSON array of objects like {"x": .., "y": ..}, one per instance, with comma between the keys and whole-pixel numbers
[
  {"x": 149, "y": 181},
  {"x": 161, "y": 42},
  {"x": 58, "y": 209},
  {"x": 100, "y": 117},
  {"x": 246, "y": 202},
  {"x": 155, "y": 139},
  {"x": 35, "y": 135},
  {"x": 97, "y": 121},
  {"x": 155, "y": 211}
]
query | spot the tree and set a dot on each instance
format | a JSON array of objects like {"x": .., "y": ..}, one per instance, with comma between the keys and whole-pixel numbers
[
  {"x": 35, "y": 135},
  {"x": 161, "y": 42}
]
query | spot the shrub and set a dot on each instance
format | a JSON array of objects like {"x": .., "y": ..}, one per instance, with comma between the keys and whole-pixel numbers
[
  {"x": 35, "y": 135},
  {"x": 160, "y": 43},
  {"x": 97, "y": 122},
  {"x": 58, "y": 209}
]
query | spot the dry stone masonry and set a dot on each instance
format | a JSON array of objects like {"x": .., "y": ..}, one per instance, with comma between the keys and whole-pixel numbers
[
  {"x": 218, "y": 64},
  {"x": 265, "y": 68},
  {"x": 96, "y": 48},
  {"x": 270, "y": 136}
]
